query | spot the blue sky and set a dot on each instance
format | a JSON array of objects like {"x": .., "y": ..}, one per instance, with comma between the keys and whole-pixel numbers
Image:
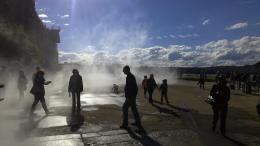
[{"x": 112, "y": 26}]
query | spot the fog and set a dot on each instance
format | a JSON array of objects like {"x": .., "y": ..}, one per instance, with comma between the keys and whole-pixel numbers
[{"x": 96, "y": 79}]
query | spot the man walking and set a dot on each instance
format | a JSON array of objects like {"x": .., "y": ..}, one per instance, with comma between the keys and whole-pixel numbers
[
  {"x": 75, "y": 88},
  {"x": 131, "y": 90}
]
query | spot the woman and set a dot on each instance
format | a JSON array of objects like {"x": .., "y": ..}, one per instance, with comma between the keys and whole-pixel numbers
[{"x": 38, "y": 91}]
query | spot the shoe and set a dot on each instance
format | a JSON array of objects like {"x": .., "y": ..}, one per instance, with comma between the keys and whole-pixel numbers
[
  {"x": 124, "y": 127},
  {"x": 47, "y": 112}
]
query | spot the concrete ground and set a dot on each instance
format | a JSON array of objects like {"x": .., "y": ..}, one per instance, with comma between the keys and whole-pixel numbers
[{"x": 186, "y": 121}]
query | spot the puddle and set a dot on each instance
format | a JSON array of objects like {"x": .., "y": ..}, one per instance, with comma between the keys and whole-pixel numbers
[
  {"x": 101, "y": 99},
  {"x": 53, "y": 121},
  {"x": 88, "y": 109}
]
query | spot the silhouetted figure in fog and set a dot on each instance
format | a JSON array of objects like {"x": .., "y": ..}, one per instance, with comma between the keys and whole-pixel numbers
[
  {"x": 38, "y": 91},
  {"x": 131, "y": 90},
  {"x": 22, "y": 84},
  {"x": 144, "y": 85},
  {"x": 221, "y": 95},
  {"x": 3, "y": 80},
  {"x": 115, "y": 89},
  {"x": 202, "y": 78},
  {"x": 164, "y": 91},
  {"x": 151, "y": 85},
  {"x": 1, "y": 86},
  {"x": 75, "y": 88}
]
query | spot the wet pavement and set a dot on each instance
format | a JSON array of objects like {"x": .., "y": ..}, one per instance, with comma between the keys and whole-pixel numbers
[
  {"x": 98, "y": 124},
  {"x": 184, "y": 122}
]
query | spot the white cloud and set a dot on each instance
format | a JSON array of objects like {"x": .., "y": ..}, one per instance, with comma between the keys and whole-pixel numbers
[
  {"x": 47, "y": 21},
  {"x": 43, "y": 16},
  {"x": 237, "y": 26},
  {"x": 66, "y": 24},
  {"x": 206, "y": 22},
  {"x": 245, "y": 50},
  {"x": 65, "y": 16},
  {"x": 190, "y": 26}
]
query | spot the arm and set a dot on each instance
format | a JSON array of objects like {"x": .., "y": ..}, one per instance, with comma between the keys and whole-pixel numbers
[{"x": 81, "y": 84}]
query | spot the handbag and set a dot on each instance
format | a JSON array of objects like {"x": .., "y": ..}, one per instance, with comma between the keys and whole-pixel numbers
[{"x": 209, "y": 100}]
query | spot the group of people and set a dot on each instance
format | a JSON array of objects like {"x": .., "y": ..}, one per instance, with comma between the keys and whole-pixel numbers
[
  {"x": 75, "y": 88},
  {"x": 245, "y": 82},
  {"x": 149, "y": 85}
]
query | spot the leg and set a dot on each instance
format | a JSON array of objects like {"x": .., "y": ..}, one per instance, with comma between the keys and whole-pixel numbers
[
  {"x": 78, "y": 102},
  {"x": 44, "y": 106},
  {"x": 166, "y": 97},
  {"x": 215, "y": 117},
  {"x": 35, "y": 102},
  {"x": 145, "y": 92},
  {"x": 125, "y": 113},
  {"x": 162, "y": 94},
  {"x": 73, "y": 101},
  {"x": 150, "y": 95},
  {"x": 223, "y": 118},
  {"x": 135, "y": 113}
]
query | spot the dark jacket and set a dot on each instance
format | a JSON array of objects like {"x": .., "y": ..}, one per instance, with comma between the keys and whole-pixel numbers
[
  {"x": 38, "y": 85},
  {"x": 164, "y": 88},
  {"x": 151, "y": 84},
  {"x": 220, "y": 94},
  {"x": 75, "y": 83},
  {"x": 131, "y": 88}
]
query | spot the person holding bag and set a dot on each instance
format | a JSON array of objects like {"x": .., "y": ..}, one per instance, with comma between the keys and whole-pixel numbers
[{"x": 221, "y": 95}]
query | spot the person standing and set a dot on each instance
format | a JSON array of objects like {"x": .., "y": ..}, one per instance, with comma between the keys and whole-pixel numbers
[
  {"x": 151, "y": 85},
  {"x": 38, "y": 91},
  {"x": 131, "y": 91},
  {"x": 22, "y": 84},
  {"x": 221, "y": 95},
  {"x": 75, "y": 88},
  {"x": 164, "y": 91},
  {"x": 144, "y": 85}
]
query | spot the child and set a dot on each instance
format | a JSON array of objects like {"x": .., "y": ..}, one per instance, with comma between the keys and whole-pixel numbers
[{"x": 164, "y": 90}]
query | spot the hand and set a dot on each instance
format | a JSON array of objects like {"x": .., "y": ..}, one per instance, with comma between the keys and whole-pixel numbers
[{"x": 48, "y": 82}]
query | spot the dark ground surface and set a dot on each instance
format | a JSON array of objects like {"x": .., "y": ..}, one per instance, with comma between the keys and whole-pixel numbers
[{"x": 185, "y": 122}]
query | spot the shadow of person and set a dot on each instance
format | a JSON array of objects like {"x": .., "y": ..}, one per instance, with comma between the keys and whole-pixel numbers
[
  {"x": 75, "y": 121},
  {"x": 235, "y": 141},
  {"x": 144, "y": 139},
  {"x": 165, "y": 110},
  {"x": 28, "y": 126},
  {"x": 178, "y": 108}
]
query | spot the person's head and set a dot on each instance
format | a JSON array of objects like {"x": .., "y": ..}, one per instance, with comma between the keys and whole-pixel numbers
[
  {"x": 126, "y": 69},
  {"x": 75, "y": 71},
  {"x": 38, "y": 68},
  {"x": 145, "y": 77},
  {"x": 222, "y": 81},
  {"x": 40, "y": 74},
  {"x": 164, "y": 81},
  {"x": 151, "y": 76}
]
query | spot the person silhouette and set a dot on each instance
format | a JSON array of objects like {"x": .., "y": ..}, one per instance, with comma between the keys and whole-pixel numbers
[
  {"x": 151, "y": 85},
  {"x": 75, "y": 88},
  {"x": 38, "y": 91},
  {"x": 164, "y": 91},
  {"x": 221, "y": 95},
  {"x": 144, "y": 85},
  {"x": 131, "y": 91},
  {"x": 22, "y": 84}
]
